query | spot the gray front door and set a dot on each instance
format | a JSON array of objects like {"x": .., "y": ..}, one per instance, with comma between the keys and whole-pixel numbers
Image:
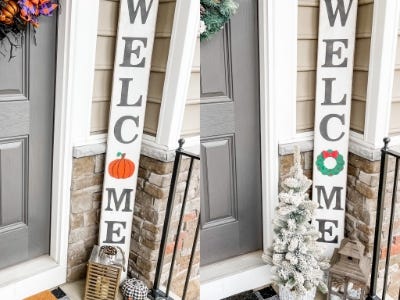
[
  {"x": 26, "y": 139},
  {"x": 230, "y": 140}
]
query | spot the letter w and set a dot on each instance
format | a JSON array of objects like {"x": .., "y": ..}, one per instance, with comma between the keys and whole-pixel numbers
[
  {"x": 112, "y": 195},
  {"x": 339, "y": 9},
  {"x": 133, "y": 11},
  {"x": 321, "y": 192}
]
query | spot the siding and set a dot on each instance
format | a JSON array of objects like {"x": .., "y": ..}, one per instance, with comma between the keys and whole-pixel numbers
[
  {"x": 307, "y": 39},
  {"x": 191, "y": 120},
  {"x": 307, "y": 44},
  {"x": 361, "y": 65},
  {"x": 394, "y": 128},
  {"x": 104, "y": 65},
  {"x": 107, "y": 30}
]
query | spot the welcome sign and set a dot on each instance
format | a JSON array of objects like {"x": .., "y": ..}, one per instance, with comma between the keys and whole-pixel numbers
[
  {"x": 135, "y": 39},
  {"x": 337, "y": 25}
]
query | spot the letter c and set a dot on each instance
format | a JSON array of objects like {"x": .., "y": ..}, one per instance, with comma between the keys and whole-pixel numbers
[{"x": 323, "y": 127}]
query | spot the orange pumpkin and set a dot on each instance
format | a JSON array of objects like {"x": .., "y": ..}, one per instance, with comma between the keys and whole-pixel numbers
[
  {"x": 8, "y": 12},
  {"x": 121, "y": 168}
]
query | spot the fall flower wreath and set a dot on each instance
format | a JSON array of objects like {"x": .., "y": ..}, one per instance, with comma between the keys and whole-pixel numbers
[
  {"x": 213, "y": 16},
  {"x": 17, "y": 15}
]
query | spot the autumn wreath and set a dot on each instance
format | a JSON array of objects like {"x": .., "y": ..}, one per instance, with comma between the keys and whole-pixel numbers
[
  {"x": 16, "y": 16},
  {"x": 213, "y": 16}
]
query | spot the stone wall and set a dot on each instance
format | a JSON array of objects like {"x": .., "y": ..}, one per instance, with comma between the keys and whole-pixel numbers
[
  {"x": 151, "y": 202},
  {"x": 362, "y": 195},
  {"x": 86, "y": 190},
  {"x": 286, "y": 162},
  {"x": 149, "y": 212}
]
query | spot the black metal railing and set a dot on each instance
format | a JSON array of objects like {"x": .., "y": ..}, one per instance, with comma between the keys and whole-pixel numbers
[
  {"x": 156, "y": 292},
  {"x": 386, "y": 154}
]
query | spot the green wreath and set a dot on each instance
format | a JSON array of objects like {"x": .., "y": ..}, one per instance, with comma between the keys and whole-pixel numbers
[
  {"x": 214, "y": 14},
  {"x": 321, "y": 162}
]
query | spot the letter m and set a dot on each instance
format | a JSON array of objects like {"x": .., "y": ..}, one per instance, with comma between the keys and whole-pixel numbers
[
  {"x": 321, "y": 193},
  {"x": 339, "y": 9},
  {"x": 112, "y": 195},
  {"x": 141, "y": 5}
]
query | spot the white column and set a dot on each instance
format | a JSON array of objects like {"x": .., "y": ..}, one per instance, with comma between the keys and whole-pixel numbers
[
  {"x": 82, "y": 64},
  {"x": 179, "y": 67},
  {"x": 381, "y": 72},
  {"x": 278, "y": 71},
  {"x": 282, "y": 34}
]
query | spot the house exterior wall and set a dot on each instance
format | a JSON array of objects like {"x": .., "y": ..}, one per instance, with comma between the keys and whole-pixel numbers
[
  {"x": 307, "y": 40},
  {"x": 104, "y": 67},
  {"x": 395, "y": 113},
  {"x": 149, "y": 213},
  {"x": 155, "y": 165},
  {"x": 307, "y": 43},
  {"x": 363, "y": 171},
  {"x": 361, "y": 65},
  {"x": 191, "y": 120},
  {"x": 104, "y": 64}
]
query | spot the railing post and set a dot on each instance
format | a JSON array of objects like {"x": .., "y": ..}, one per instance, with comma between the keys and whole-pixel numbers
[
  {"x": 156, "y": 293},
  {"x": 378, "y": 225}
]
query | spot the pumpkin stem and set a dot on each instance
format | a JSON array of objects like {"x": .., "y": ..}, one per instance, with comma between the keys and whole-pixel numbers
[{"x": 123, "y": 155}]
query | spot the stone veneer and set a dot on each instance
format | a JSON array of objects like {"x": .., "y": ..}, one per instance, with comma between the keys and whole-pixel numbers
[{"x": 149, "y": 212}]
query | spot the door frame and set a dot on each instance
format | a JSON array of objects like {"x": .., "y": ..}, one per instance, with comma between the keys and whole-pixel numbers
[
  {"x": 275, "y": 66},
  {"x": 48, "y": 271}
]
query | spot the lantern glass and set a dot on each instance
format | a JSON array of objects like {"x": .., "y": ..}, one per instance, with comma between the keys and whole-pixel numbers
[
  {"x": 342, "y": 287},
  {"x": 348, "y": 274}
]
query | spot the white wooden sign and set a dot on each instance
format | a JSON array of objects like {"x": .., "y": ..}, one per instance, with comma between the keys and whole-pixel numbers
[
  {"x": 135, "y": 39},
  {"x": 337, "y": 25}
]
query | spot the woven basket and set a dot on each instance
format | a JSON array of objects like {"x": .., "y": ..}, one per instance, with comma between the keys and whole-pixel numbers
[{"x": 286, "y": 294}]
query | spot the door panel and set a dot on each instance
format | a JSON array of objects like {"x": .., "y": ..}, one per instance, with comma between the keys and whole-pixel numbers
[
  {"x": 13, "y": 85},
  {"x": 13, "y": 183},
  {"x": 220, "y": 201},
  {"x": 230, "y": 140},
  {"x": 26, "y": 139}
]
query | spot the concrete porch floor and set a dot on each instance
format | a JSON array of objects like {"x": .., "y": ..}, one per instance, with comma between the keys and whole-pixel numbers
[{"x": 76, "y": 290}]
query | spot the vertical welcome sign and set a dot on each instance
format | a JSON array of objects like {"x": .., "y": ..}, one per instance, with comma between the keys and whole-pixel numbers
[
  {"x": 135, "y": 38},
  {"x": 337, "y": 25}
]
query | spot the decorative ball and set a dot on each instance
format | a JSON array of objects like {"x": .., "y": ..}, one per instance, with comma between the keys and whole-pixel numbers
[
  {"x": 121, "y": 168},
  {"x": 134, "y": 289}
]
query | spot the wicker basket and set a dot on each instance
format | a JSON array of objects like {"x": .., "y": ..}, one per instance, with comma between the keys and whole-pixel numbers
[{"x": 102, "y": 280}]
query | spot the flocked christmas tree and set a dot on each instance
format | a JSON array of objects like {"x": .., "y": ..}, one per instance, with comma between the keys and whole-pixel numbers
[{"x": 295, "y": 254}]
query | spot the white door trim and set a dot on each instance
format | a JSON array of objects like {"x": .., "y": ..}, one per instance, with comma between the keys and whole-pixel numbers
[
  {"x": 46, "y": 272},
  {"x": 233, "y": 276},
  {"x": 272, "y": 83}
]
